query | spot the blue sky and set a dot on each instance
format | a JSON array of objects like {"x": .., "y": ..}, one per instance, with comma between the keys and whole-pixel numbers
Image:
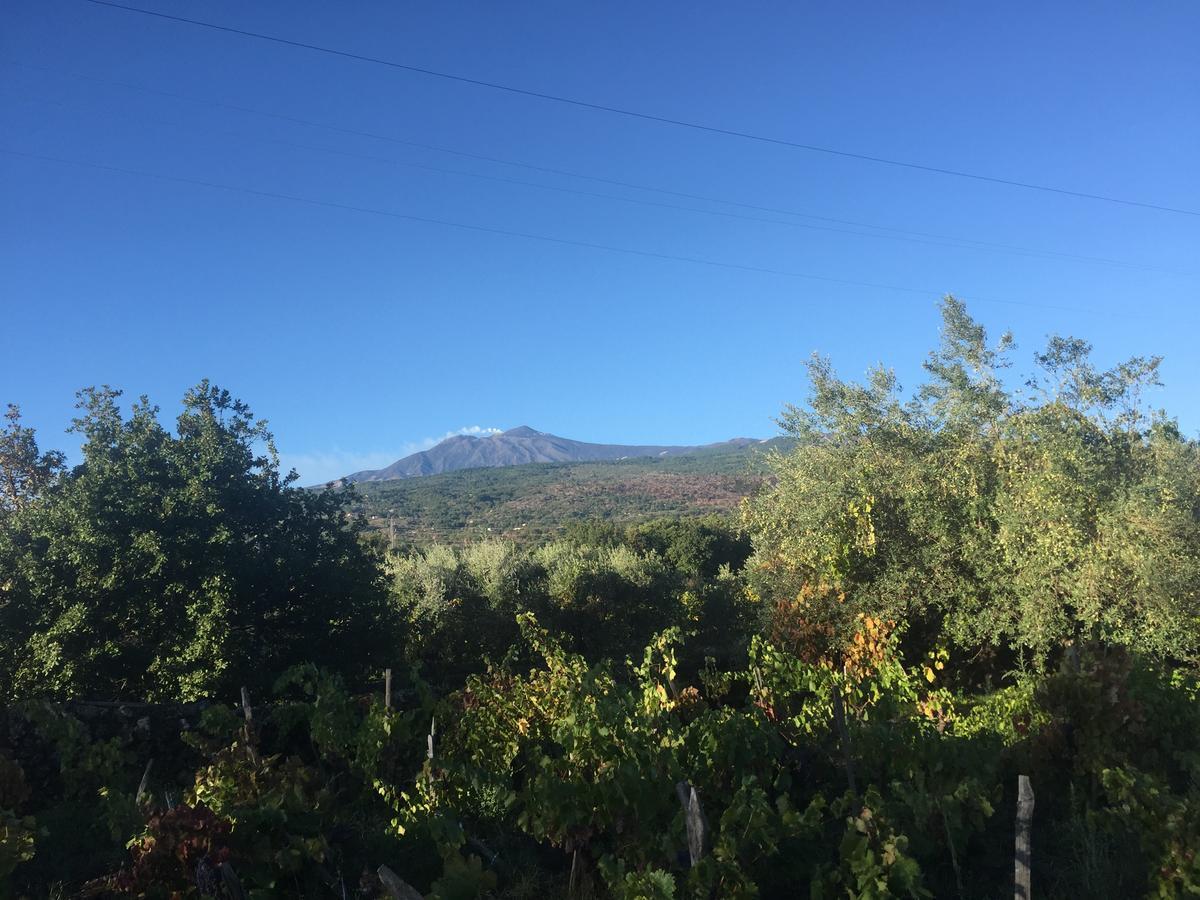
[{"x": 362, "y": 337}]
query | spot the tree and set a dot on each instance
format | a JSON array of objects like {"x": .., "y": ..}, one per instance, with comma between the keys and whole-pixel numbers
[
  {"x": 24, "y": 470},
  {"x": 972, "y": 514},
  {"x": 174, "y": 566}
]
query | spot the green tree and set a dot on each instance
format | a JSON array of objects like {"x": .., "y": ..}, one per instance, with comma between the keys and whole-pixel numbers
[
  {"x": 181, "y": 565},
  {"x": 460, "y": 607},
  {"x": 24, "y": 470},
  {"x": 985, "y": 516}
]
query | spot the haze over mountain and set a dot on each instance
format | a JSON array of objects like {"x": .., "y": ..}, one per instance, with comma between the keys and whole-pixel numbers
[{"x": 516, "y": 447}]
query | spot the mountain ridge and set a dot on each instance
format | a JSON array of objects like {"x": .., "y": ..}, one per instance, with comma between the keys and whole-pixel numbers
[
  {"x": 518, "y": 446},
  {"x": 534, "y": 503}
]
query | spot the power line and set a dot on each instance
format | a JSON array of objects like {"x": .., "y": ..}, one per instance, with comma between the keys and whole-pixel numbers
[
  {"x": 649, "y": 117},
  {"x": 962, "y": 244},
  {"x": 485, "y": 229},
  {"x": 893, "y": 233}
]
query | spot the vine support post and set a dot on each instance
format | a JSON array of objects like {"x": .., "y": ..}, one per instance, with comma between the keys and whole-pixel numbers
[
  {"x": 248, "y": 730},
  {"x": 229, "y": 879},
  {"x": 144, "y": 784},
  {"x": 387, "y": 689},
  {"x": 693, "y": 817},
  {"x": 396, "y": 887},
  {"x": 1022, "y": 884},
  {"x": 839, "y": 720}
]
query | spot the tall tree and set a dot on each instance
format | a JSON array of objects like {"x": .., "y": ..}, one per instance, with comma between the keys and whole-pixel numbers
[
  {"x": 969, "y": 511},
  {"x": 24, "y": 470},
  {"x": 182, "y": 565}
]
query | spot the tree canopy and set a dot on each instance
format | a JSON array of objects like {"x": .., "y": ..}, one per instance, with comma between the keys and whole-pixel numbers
[
  {"x": 936, "y": 593},
  {"x": 174, "y": 565},
  {"x": 1027, "y": 518}
]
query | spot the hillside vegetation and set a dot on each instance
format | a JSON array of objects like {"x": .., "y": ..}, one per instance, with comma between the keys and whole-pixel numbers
[
  {"x": 531, "y": 503},
  {"x": 830, "y": 694},
  {"x": 521, "y": 446}
]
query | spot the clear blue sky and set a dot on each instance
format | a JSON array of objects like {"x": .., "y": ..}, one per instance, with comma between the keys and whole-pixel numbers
[{"x": 360, "y": 336}]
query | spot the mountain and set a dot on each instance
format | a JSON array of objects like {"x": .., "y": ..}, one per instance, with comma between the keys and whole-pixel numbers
[
  {"x": 521, "y": 446},
  {"x": 535, "y": 502}
]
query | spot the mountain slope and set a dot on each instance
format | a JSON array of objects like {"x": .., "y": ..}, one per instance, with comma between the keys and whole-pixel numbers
[
  {"x": 530, "y": 503},
  {"x": 517, "y": 447}
]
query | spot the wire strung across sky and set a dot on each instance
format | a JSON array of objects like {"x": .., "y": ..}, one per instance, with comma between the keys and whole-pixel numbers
[
  {"x": 649, "y": 117},
  {"x": 487, "y": 229},
  {"x": 880, "y": 231}
]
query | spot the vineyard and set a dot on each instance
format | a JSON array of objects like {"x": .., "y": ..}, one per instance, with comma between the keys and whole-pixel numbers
[
  {"x": 562, "y": 779},
  {"x": 949, "y": 644}
]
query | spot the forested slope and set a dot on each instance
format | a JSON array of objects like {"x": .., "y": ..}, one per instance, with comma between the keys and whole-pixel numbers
[{"x": 533, "y": 502}]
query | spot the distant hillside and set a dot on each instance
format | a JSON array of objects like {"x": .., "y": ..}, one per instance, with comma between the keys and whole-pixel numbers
[
  {"x": 532, "y": 502},
  {"x": 518, "y": 447}
]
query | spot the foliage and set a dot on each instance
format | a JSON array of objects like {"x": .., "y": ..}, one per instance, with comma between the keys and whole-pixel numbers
[
  {"x": 931, "y": 597},
  {"x": 178, "y": 565},
  {"x": 1167, "y": 825},
  {"x": 872, "y": 861},
  {"x": 984, "y": 516},
  {"x": 608, "y": 596},
  {"x": 180, "y": 848},
  {"x": 583, "y": 759},
  {"x": 539, "y": 502},
  {"x": 25, "y": 472},
  {"x": 17, "y": 832},
  {"x": 570, "y": 768}
]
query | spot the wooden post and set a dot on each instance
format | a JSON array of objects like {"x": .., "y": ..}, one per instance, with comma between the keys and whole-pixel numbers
[
  {"x": 432, "y": 732},
  {"x": 233, "y": 887},
  {"x": 839, "y": 719},
  {"x": 387, "y": 689},
  {"x": 487, "y": 853},
  {"x": 693, "y": 817},
  {"x": 248, "y": 730},
  {"x": 144, "y": 784},
  {"x": 1024, "y": 849},
  {"x": 397, "y": 887}
]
